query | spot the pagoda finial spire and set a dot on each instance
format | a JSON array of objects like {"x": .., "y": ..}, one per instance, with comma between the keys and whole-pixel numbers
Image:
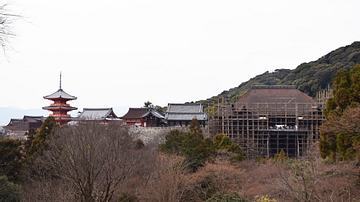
[{"x": 60, "y": 79}]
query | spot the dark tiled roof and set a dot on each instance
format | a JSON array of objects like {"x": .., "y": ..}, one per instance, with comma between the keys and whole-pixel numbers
[
  {"x": 60, "y": 94},
  {"x": 98, "y": 114},
  {"x": 33, "y": 118},
  {"x": 184, "y": 108},
  {"x": 154, "y": 113},
  {"x": 135, "y": 113},
  {"x": 69, "y": 108},
  {"x": 185, "y": 112},
  {"x": 186, "y": 117},
  {"x": 25, "y": 123}
]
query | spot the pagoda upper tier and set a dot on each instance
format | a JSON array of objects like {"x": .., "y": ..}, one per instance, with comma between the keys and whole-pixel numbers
[
  {"x": 60, "y": 108},
  {"x": 60, "y": 94}
]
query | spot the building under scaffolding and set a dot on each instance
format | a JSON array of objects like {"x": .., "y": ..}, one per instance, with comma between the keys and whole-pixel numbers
[{"x": 268, "y": 119}]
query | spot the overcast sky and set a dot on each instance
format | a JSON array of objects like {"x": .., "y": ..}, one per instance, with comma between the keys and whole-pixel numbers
[{"x": 121, "y": 53}]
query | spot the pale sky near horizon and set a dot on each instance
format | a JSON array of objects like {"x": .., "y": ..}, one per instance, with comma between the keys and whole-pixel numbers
[{"x": 116, "y": 53}]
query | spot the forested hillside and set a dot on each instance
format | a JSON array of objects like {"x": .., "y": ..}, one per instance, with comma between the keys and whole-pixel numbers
[{"x": 308, "y": 77}]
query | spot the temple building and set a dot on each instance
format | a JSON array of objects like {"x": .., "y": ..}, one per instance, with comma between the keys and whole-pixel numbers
[
  {"x": 268, "y": 119},
  {"x": 24, "y": 124},
  {"x": 182, "y": 114},
  {"x": 60, "y": 108},
  {"x": 144, "y": 117}
]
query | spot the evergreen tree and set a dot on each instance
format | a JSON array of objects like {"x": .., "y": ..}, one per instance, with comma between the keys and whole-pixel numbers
[
  {"x": 173, "y": 142},
  {"x": 10, "y": 158},
  {"x": 339, "y": 135},
  {"x": 223, "y": 142},
  {"x": 9, "y": 191},
  {"x": 30, "y": 136},
  {"x": 190, "y": 144},
  {"x": 39, "y": 142}
]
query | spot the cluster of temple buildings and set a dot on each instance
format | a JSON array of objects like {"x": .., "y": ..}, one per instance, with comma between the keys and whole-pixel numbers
[
  {"x": 266, "y": 120},
  {"x": 176, "y": 114}
]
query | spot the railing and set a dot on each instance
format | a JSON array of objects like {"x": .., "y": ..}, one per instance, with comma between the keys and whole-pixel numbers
[
  {"x": 60, "y": 105},
  {"x": 61, "y": 115}
]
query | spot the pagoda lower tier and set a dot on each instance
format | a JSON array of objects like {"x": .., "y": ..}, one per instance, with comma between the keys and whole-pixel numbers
[{"x": 60, "y": 113}]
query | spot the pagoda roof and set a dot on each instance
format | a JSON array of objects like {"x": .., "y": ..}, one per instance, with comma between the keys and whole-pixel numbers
[
  {"x": 98, "y": 114},
  {"x": 55, "y": 108},
  {"x": 60, "y": 94}
]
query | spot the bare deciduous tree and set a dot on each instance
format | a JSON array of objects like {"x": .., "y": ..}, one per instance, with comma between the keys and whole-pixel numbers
[
  {"x": 166, "y": 181},
  {"x": 6, "y": 22},
  {"x": 95, "y": 160}
]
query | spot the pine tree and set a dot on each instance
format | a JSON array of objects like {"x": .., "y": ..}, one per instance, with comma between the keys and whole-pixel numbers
[
  {"x": 10, "y": 158},
  {"x": 338, "y": 137},
  {"x": 39, "y": 143}
]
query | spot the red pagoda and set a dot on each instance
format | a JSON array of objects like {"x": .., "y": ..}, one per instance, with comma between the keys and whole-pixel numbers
[{"x": 60, "y": 108}]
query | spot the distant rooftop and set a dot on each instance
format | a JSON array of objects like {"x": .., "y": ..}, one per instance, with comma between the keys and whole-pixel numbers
[
  {"x": 137, "y": 113},
  {"x": 98, "y": 114}
]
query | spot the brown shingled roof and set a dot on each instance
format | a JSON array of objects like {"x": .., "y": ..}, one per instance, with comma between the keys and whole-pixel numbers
[
  {"x": 135, "y": 113},
  {"x": 272, "y": 94}
]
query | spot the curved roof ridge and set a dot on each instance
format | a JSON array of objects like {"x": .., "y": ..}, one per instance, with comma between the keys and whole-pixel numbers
[
  {"x": 273, "y": 87},
  {"x": 60, "y": 94}
]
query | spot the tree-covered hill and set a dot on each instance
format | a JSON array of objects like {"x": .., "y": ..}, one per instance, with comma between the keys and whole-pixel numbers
[{"x": 308, "y": 77}]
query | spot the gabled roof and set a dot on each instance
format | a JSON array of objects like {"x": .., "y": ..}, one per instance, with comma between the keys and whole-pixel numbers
[
  {"x": 186, "y": 117},
  {"x": 274, "y": 94},
  {"x": 33, "y": 118},
  {"x": 154, "y": 113},
  {"x": 60, "y": 94},
  {"x": 26, "y": 118},
  {"x": 98, "y": 114},
  {"x": 138, "y": 113},
  {"x": 135, "y": 113},
  {"x": 185, "y": 112},
  {"x": 25, "y": 123},
  {"x": 184, "y": 108}
]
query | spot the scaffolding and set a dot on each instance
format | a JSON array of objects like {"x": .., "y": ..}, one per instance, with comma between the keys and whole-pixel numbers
[{"x": 263, "y": 129}]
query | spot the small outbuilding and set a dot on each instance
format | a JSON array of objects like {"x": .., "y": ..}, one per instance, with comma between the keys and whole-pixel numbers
[{"x": 145, "y": 117}]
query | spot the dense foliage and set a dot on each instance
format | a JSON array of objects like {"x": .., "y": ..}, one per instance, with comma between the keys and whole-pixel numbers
[
  {"x": 9, "y": 191},
  {"x": 39, "y": 142},
  {"x": 10, "y": 158},
  {"x": 190, "y": 144},
  {"x": 196, "y": 149},
  {"x": 309, "y": 77},
  {"x": 340, "y": 137}
]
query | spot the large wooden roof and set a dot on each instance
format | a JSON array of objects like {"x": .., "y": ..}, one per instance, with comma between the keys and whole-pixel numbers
[
  {"x": 272, "y": 95},
  {"x": 135, "y": 113}
]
